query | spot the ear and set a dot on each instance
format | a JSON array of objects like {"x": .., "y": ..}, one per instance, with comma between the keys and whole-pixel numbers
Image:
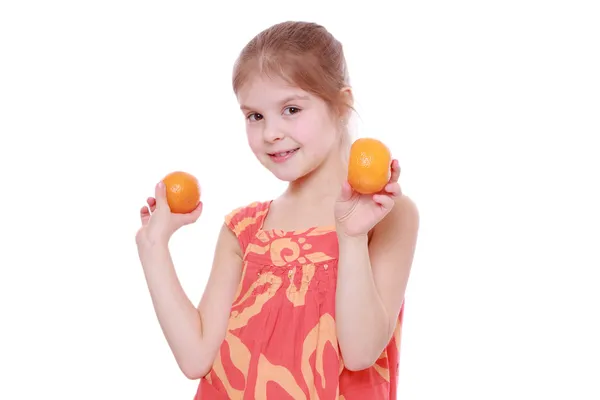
[{"x": 348, "y": 96}]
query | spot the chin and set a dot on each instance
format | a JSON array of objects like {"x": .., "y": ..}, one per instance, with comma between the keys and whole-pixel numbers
[
  {"x": 286, "y": 176},
  {"x": 288, "y": 172}
]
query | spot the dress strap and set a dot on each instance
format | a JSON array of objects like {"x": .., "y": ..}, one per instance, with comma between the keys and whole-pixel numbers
[{"x": 245, "y": 221}]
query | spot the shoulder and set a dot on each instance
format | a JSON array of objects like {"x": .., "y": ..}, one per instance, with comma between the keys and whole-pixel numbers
[
  {"x": 243, "y": 221},
  {"x": 402, "y": 222},
  {"x": 240, "y": 213}
]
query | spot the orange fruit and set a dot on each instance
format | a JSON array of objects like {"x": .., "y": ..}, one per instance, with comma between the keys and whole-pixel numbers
[
  {"x": 369, "y": 167},
  {"x": 183, "y": 192}
]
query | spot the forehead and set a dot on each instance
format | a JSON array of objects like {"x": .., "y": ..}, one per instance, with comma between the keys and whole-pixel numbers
[{"x": 265, "y": 91}]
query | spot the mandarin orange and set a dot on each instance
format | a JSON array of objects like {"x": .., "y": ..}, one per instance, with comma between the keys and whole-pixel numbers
[
  {"x": 183, "y": 192},
  {"x": 369, "y": 166}
]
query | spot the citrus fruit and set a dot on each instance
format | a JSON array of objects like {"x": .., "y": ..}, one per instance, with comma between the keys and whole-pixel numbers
[
  {"x": 183, "y": 192},
  {"x": 369, "y": 166}
]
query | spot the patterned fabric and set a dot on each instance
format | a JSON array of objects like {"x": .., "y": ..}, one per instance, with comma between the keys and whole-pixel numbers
[{"x": 281, "y": 340}]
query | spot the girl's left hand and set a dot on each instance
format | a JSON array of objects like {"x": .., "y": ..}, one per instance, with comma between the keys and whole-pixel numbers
[{"x": 356, "y": 214}]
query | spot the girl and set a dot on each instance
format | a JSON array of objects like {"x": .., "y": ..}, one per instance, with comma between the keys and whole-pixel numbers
[{"x": 306, "y": 292}]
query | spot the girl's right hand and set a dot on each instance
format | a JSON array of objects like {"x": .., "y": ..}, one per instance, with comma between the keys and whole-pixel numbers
[{"x": 158, "y": 222}]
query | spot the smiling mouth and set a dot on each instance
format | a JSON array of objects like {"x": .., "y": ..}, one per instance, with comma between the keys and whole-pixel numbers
[{"x": 283, "y": 153}]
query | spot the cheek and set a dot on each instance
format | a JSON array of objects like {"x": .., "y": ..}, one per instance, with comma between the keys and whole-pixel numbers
[
  {"x": 253, "y": 140},
  {"x": 308, "y": 132},
  {"x": 316, "y": 136}
]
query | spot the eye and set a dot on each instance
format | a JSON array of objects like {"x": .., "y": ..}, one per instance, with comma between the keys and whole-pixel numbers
[
  {"x": 254, "y": 117},
  {"x": 291, "y": 110}
]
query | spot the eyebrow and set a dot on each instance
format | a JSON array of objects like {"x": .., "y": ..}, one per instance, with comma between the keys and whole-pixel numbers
[{"x": 285, "y": 100}]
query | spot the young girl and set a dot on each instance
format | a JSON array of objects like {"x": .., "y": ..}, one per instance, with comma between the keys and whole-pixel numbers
[{"x": 306, "y": 292}]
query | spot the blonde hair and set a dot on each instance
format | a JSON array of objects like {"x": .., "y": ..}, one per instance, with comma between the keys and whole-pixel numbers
[{"x": 306, "y": 55}]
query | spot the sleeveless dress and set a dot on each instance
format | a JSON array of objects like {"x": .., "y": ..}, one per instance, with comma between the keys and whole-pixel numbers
[{"x": 281, "y": 338}]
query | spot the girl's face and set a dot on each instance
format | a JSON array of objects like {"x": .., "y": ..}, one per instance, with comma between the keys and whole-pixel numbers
[{"x": 290, "y": 131}]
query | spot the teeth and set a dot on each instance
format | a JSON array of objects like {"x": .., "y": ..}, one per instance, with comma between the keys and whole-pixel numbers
[{"x": 283, "y": 154}]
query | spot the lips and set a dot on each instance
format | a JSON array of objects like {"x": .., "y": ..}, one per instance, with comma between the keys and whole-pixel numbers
[
  {"x": 282, "y": 156},
  {"x": 283, "y": 153}
]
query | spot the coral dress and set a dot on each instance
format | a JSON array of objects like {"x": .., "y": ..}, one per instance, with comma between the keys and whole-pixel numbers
[{"x": 281, "y": 340}]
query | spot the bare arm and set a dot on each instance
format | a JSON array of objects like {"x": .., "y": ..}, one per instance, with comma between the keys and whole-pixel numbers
[
  {"x": 193, "y": 334},
  {"x": 372, "y": 279}
]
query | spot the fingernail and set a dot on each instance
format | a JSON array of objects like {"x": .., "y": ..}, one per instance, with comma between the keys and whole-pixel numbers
[{"x": 161, "y": 184}]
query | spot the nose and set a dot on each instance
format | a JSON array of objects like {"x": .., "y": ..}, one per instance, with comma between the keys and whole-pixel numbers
[{"x": 272, "y": 132}]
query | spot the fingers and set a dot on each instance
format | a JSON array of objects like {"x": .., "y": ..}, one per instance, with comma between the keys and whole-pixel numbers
[
  {"x": 160, "y": 194},
  {"x": 193, "y": 216},
  {"x": 346, "y": 192},
  {"x": 144, "y": 214},
  {"x": 159, "y": 202},
  {"x": 151, "y": 203},
  {"x": 393, "y": 189},
  {"x": 384, "y": 201},
  {"x": 146, "y": 211},
  {"x": 395, "y": 175}
]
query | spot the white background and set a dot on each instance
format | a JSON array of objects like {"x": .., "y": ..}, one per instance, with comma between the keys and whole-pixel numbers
[{"x": 491, "y": 108}]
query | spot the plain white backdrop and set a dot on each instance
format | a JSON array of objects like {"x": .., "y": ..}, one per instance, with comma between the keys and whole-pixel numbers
[{"x": 492, "y": 108}]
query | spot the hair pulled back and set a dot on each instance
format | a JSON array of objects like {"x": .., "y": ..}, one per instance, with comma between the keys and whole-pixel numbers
[{"x": 303, "y": 53}]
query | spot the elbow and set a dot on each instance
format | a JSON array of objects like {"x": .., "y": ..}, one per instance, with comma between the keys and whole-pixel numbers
[
  {"x": 193, "y": 375},
  {"x": 359, "y": 363},
  {"x": 194, "y": 371},
  {"x": 361, "y": 356},
  {"x": 358, "y": 357}
]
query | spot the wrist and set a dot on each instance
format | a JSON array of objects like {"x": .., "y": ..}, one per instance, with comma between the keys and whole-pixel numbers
[
  {"x": 148, "y": 238},
  {"x": 351, "y": 241},
  {"x": 151, "y": 246}
]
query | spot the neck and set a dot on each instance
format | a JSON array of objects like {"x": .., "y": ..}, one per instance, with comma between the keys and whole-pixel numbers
[{"x": 323, "y": 183}]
